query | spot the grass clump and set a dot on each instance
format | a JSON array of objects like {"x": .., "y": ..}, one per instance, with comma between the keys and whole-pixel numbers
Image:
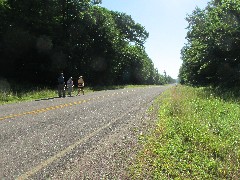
[{"x": 197, "y": 137}]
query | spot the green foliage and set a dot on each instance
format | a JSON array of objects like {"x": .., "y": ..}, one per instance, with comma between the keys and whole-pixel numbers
[
  {"x": 211, "y": 56},
  {"x": 130, "y": 31},
  {"x": 197, "y": 137},
  {"x": 40, "y": 39}
]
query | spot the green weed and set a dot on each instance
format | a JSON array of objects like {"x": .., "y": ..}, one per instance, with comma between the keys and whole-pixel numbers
[{"x": 197, "y": 137}]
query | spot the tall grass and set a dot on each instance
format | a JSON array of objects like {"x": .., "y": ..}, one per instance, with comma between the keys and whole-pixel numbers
[
  {"x": 197, "y": 137},
  {"x": 23, "y": 95}
]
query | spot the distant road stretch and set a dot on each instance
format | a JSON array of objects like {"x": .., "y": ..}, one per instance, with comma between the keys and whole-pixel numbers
[{"x": 38, "y": 138}]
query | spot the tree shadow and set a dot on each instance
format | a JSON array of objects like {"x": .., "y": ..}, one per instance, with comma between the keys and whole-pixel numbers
[{"x": 101, "y": 88}]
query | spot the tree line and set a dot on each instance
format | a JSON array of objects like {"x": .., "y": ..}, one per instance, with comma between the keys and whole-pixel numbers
[
  {"x": 39, "y": 39},
  {"x": 211, "y": 56}
]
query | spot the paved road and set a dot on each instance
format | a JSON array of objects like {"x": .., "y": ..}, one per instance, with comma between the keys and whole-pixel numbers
[{"x": 40, "y": 137}]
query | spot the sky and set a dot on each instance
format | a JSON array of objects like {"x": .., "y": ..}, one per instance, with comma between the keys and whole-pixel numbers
[{"x": 165, "y": 22}]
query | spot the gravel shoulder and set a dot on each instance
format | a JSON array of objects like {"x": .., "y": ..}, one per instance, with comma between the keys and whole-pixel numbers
[{"x": 112, "y": 155}]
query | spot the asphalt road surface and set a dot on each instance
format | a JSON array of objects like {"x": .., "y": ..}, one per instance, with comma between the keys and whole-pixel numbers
[{"x": 43, "y": 139}]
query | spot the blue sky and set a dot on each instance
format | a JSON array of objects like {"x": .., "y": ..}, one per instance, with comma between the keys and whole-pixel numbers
[{"x": 166, "y": 24}]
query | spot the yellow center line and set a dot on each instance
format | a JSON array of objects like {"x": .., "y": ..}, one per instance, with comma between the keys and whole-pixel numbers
[
  {"x": 58, "y": 155},
  {"x": 65, "y": 151},
  {"x": 52, "y": 107},
  {"x": 9, "y": 117}
]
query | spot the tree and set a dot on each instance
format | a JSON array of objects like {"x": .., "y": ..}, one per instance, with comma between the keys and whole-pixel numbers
[
  {"x": 130, "y": 31},
  {"x": 211, "y": 56},
  {"x": 40, "y": 39}
]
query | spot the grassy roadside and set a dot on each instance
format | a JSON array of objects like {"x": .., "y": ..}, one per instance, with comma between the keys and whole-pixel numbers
[
  {"x": 7, "y": 97},
  {"x": 196, "y": 137},
  {"x": 23, "y": 94}
]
